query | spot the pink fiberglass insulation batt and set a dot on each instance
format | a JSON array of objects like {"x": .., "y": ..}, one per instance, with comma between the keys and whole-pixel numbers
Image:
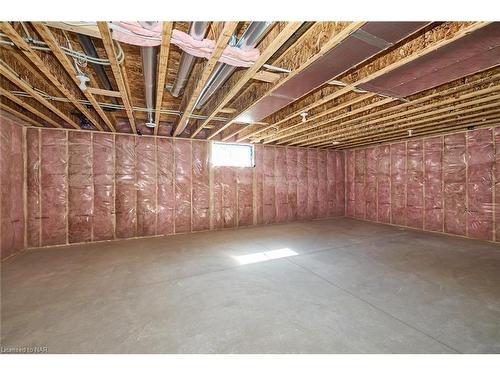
[
  {"x": 103, "y": 161},
  {"x": 12, "y": 223},
  {"x": 91, "y": 186},
  {"x": 33, "y": 187},
  {"x": 54, "y": 186},
  {"x": 440, "y": 183},
  {"x": 80, "y": 193},
  {"x": 371, "y": 183}
]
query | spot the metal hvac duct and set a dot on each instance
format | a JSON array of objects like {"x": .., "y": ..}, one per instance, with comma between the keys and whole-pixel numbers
[
  {"x": 252, "y": 35},
  {"x": 197, "y": 30},
  {"x": 148, "y": 55},
  {"x": 89, "y": 49}
]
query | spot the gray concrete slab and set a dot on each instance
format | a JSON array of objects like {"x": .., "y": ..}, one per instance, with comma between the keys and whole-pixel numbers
[{"x": 350, "y": 287}]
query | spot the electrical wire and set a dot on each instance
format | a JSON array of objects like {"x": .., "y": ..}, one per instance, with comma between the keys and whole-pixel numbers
[
  {"x": 42, "y": 46},
  {"x": 112, "y": 105}
]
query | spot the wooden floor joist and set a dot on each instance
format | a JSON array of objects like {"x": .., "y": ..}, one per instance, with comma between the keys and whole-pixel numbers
[
  {"x": 368, "y": 73},
  {"x": 16, "y": 80},
  {"x": 109, "y": 46},
  {"x": 491, "y": 119},
  {"x": 422, "y": 112},
  {"x": 430, "y": 122},
  {"x": 28, "y": 107},
  {"x": 393, "y": 111},
  {"x": 166, "y": 34},
  {"x": 331, "y": 43},
  {"x": 51, "y": 41},
  {"x": 46, "y": 71},
  {"x": 271, "y": 49},
  {"x": 22, "y": 116},
  {"x": 484, "y": 111},
  {"x": 222, "y": 41}
]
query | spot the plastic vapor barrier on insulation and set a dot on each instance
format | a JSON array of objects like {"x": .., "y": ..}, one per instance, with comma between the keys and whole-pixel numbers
[
  {"x": 442, "y": 184},
  {"x": 92, "y": 186},
  {"x": 12, "y": 222}
]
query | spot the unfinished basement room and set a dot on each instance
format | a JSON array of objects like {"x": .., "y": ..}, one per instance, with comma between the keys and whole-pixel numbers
[{"x": 250, "y": 186}]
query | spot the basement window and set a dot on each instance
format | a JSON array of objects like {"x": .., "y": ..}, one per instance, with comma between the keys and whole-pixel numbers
[{"x": 232, "y": 155}]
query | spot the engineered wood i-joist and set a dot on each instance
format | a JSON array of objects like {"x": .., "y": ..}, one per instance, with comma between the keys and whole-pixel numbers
[
  {"x": 51, "y": 41},
  {"x": 117, "y": 71},
  {"x": 283, "y": 36},
  {"x": 15, "y": 79},
  {"x": 28, "y": 107},
  {"x": 222, "y": 41},
  {"x": 432, "y": 124},
  {"x": 390, "y": 112},
  {"x": 393, "y": 60},
  {"x": 166, "y": 34},
  {"x": 449, "y": 106},
  {"x": 42, "y": 67},
  {"x": 331, "y": 43},
  {"x": 22, "y": 116}
]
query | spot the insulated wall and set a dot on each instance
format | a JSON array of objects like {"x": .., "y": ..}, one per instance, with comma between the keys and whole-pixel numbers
[
  {"x": 442, "y": 184},
  {"x": 91, "y": 186},
  {"x": 12, "y": 222}
]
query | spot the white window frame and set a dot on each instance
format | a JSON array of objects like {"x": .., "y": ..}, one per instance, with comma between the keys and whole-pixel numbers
[{"x": 245, "y": 145}]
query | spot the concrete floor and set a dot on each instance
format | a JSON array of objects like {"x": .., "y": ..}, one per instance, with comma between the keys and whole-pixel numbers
[{"x": 353, "y": 287}]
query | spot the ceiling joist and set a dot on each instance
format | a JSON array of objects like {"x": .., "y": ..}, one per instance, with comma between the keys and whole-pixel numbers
[
  {"x": 222, "y": 41},
  {"x": 51, "y": 41},
  {"x": 109, "y": 46},
  {"x": 25, "y": 48}
]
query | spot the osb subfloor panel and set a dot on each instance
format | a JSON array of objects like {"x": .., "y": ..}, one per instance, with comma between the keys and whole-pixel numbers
[{"x": 354, "y": 287}]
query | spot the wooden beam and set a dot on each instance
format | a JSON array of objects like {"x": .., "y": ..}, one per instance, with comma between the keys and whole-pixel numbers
[
  {"x": 53, "y": 44},
  {"x": 109, "y": 46},
  {"x": 470, "y": 106},
  {"x": 22, "y": 116},
  {"x": 226, "y": 33},
  {"x": 282, "y": 37},
  {"x": 42, "y": 67},
  {"x": 390, "y": 112},
  {"x": 75, "y": 27},
  {"x": 104, "y": 92},
  {"x": 368, "y": 73},
  {"x": 162, "y": 70},
  {"x": 266, "y": 76},
  {"x": 299, "y": 126},
  {"x": 28, "y": 107},
  {"x": 479, "y": 120},
  {"x": 15, "y": 79},
  {"x": 420, "y": 111},
  {"x": 331, "y": 43}
]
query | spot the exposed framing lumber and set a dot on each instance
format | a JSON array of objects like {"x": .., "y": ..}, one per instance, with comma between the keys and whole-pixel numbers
[
  {"x": 425, "y": 125},
  {"x": 394, "y": 111},
  {"x": 332, "y": 42},
  {"x": 51, "y": 41},
  {"x": 162, "y": 70},
  {"x": 480, "y": 122},
  {"x": 104, "y": 92},
  {"x": 225, "y": 35},
  {"x": 425, "y": 109},
  {"x": 366, "y": 72},
  {"x": 430, "y": 122},
  {"x": 117, "y": 71},
  {"x": 15, "y": 79},
  {"x": 90, "y": 30},
  {"x": 22, "y": 116},
  {"x": 266, "y": 76},
  {"x": 42, "y": 67},
  {"x": 28, "y": 107},
  {"x": 299, "y": 126},
  {"x": 283, "y": 36}
]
